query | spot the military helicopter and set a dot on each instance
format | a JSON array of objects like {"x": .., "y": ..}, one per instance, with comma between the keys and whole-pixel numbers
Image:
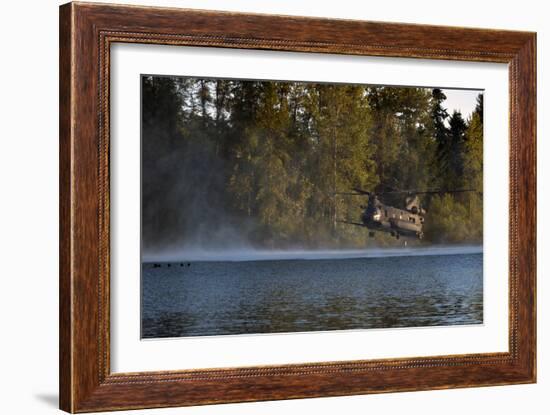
[{"x": 381, "y": 217}]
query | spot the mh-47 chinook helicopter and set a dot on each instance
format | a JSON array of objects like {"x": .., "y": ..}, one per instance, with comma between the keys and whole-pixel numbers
[{"x": 407, "y": 221}]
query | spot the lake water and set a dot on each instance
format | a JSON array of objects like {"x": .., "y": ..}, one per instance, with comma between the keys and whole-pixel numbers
[{"x": 326, "y": 291}]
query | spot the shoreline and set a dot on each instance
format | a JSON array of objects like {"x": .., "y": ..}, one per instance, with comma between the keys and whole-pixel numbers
[{"x": 251, "y": 255}]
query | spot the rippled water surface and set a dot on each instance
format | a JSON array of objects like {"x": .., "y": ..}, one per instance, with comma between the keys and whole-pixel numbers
[{"x": 218, "y": 297}]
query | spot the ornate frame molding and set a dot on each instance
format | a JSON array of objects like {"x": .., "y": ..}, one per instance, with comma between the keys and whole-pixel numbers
[{"x": 86, "y": 33}]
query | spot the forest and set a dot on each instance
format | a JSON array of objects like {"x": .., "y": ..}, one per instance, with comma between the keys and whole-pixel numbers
[{"x": 260, "y": 164}]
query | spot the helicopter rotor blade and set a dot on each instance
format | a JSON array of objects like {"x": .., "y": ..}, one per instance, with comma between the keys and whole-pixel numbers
[
  {"x": 356, "y": 192},
  {"x": 425, "y": 192},
  {"x": 360, "y": 192},
  {"x": 363, "y": 192},
  {"x": 352, "y": 223},
  {"x": 350, "y": 194},
  {"x": 446, "y": 191}
]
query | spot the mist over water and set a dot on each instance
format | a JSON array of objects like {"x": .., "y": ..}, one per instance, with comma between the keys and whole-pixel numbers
[{"x": 250, "y": 254}]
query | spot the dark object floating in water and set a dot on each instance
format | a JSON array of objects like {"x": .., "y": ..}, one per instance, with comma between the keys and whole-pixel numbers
[
  {"x": 188, "y": 264},
  {"x": 156, "y": 265}
]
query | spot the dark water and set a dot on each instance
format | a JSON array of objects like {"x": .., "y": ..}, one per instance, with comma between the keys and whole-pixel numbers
[{"x": 273, "y": 296}]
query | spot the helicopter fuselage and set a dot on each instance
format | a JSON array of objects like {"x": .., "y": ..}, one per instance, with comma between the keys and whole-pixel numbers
[
  {"x": 380, "y": 217},
  {"x": 407, "y": 221}
]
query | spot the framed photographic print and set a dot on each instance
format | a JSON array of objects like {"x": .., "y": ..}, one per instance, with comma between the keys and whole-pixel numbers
[{"x": 260, "y": 207}]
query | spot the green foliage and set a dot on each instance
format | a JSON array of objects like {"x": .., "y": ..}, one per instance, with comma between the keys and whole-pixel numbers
[
  {"x": 454, "y": 221},
  {"x": 400, "y": 133},
  {"x": 269, "y": 158},
  {"x": 473, "y": 154},
  {"x": 459, "y": 217}
]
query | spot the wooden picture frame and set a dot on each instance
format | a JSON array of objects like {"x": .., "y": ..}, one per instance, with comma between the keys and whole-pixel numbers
[{"x": 86, "y": 33}]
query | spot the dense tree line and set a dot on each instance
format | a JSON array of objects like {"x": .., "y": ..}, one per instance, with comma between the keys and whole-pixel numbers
[{"x": 229, "y": 161}]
